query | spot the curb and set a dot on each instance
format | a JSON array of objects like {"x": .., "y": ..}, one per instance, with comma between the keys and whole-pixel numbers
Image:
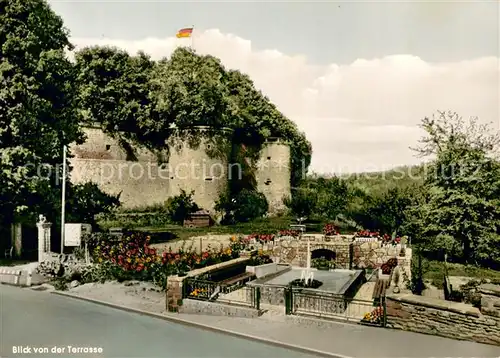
[{"x": 206, "y": 327}]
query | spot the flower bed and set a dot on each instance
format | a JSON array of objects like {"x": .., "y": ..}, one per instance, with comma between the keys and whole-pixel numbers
[
  {"x": 389, "y": 266},
  {"x": 330, "y": 230},
  {"x": 388, "y": 240},
  {"x": 291, "y": 233},
  {"x": 259, "y": 258},
  {"x": 261, "y": 238},
  {"x": 374, "y": 317},
  {"x": 367, "y": 233},
  {"x": 133, "y": 256}
]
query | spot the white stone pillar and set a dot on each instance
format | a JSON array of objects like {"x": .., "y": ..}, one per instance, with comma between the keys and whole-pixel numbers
[{"x": 43, "y": 238}]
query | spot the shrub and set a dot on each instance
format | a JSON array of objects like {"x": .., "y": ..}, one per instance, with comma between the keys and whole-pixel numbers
[
  {"x": 302, "y": 203},
  {"x": 179, "y": 207},
  {"x": 456, "y": 296},
  {"x": 86, "y": 200},
  {"x": 245, "y": 206},
  {"x": 322, "y": 264},
  {"x": 257, "y": 259},
  {"x": 250, "y": 205}
]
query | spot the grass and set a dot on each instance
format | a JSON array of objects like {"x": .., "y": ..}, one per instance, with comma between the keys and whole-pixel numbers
[
  {"x": 434, "y": 272},
  {"x": 264, "y": 226},
  {"x": 178, "y": 232}
]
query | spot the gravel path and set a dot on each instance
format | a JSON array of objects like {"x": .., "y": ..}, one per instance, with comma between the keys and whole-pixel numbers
[
  {"x": 135, "y": 294},
  {"x": 206, "y": 241}
]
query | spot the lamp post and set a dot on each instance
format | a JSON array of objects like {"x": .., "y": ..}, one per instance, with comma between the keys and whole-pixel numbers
[{"x": 63, "y": 199}]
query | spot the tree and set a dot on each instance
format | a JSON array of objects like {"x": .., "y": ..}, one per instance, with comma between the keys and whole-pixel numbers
[
  {"x": 191, "y": 91},
  {"x": 303, "y": 202},
  {"x": 37, "y": 103},
  {"x": 461, "y": 214},
  {"x": 390, "y": 210},
  {"x": 333, "y": 197},
  {"x": 116, "y": 91}
]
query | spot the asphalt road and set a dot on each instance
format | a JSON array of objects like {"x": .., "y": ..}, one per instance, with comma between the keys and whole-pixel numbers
[{"x": 33, "y": 320}]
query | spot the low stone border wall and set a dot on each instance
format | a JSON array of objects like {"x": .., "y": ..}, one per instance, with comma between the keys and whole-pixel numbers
[
  {"x": 15, "y": 277},
  {"x": 442, "y": 318},
  {"x": 217, "y": 309},
  {"x": 174, "y": 283}
]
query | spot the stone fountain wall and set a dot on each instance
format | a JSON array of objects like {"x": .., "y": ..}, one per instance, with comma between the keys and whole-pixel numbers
[{"x": 294, "y": 252}]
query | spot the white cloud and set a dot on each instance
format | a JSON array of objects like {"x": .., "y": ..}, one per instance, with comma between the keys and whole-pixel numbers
[{"x": 361, "y": 116}]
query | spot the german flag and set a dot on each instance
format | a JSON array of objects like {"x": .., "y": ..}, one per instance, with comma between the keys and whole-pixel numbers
[{"x": 186, "y": 32}]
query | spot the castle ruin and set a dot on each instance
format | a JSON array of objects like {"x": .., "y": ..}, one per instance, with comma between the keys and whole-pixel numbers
[{"x": 143, "y": 180}]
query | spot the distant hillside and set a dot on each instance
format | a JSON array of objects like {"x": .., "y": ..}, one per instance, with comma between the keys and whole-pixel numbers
[{"x": 373, "y": 183}]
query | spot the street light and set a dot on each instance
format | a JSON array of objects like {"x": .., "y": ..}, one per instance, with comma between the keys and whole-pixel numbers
[{"x": 63, "y": 199}]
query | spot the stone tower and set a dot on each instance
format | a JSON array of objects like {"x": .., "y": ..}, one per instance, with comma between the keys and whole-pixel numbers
[
  {"x": 273, "y": 173},
  {"x": 202, "y": 168}
]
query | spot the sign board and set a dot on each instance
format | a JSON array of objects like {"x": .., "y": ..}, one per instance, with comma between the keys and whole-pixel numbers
[{"x": 73, "y": 233}]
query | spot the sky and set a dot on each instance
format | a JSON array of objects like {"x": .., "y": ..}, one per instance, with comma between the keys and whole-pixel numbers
[{"x": 356, "y": 77}]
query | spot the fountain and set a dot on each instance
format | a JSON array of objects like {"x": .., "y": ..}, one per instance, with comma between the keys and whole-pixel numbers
[{"x": 307, "y": 276}]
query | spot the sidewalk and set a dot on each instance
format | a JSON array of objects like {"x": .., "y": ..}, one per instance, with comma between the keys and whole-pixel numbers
[{"x": 335, "y": 338}]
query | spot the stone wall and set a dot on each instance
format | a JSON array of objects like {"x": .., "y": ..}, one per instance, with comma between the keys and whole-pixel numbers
[
  {"x": 443, "y": 318},
  {"x": 294, "y": 252},
  {"x": 217, "y": 309},
  {"x": 374, "y": 254},
  {"x": 490, "y": 299}
]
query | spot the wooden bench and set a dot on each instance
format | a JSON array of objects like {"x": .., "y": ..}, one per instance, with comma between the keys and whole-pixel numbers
[{"x": 229, "y": 284}]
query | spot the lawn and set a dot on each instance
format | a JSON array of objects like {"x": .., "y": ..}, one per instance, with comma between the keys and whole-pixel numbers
[
  {"x": 178, "y": 232},
  {"x": 434, "y": 272}
]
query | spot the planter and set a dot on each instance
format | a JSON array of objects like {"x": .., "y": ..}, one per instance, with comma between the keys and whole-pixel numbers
[{"x": 323, "y": 268}]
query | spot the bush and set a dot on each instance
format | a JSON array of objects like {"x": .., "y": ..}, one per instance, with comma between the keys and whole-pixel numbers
[
  {"x": 86, "y": 200},
  {"x": 322, "y": 264},
  {"x": 302, "y": 203},
  {"x": 250, "y": 205},
  {"x": 179, "y": 207},
  {"x": 456, "y": 296},
  {"x": 246, "y": 206}
]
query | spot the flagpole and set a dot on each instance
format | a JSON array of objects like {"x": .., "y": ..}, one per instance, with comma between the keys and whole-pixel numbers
[{"x": 192, "y": 38}]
